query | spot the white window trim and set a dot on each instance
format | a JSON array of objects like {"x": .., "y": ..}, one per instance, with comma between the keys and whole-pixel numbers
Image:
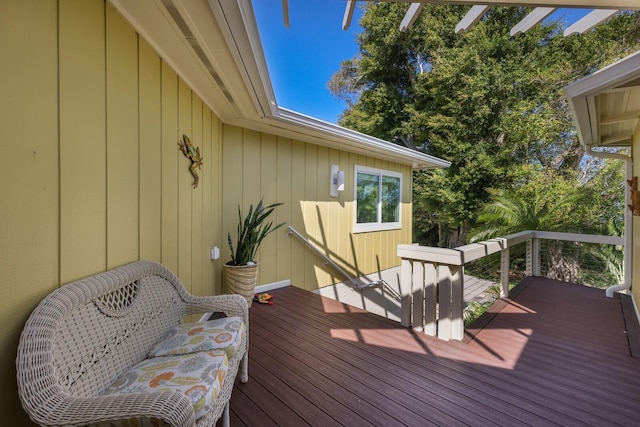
[{"x": 375, "y": 226}]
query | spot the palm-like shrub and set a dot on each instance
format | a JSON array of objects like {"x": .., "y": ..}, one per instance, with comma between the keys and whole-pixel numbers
[{"x": 251, "y": 231}]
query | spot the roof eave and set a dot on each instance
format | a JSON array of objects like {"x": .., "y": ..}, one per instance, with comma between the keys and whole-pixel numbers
[
  {"x": 240, "y": 28},
  {"x": 581, "y": 95}
]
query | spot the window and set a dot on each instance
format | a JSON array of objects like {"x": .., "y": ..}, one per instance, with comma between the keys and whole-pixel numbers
[{"x": 378, "y": 199}]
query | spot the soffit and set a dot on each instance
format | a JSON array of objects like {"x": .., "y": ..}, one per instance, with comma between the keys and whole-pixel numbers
[
  {"x": 606, "y": 104},
  {"x": 173, "y": 29}
]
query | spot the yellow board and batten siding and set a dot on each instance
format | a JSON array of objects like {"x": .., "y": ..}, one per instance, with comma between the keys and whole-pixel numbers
[
  {"x": 297, "y": 174},
  {"x": 90, "y": 172},
  {"x": 82, "y": 139},
  {"x": 91, "y": 176},
  {"x": 150, "y": 144},
  {"x": 29, "y": 174},
  {"x": 122, "y": 141}
]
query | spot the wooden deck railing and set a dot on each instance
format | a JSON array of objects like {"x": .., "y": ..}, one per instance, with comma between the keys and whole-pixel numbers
[{"x": 432, "y": 279}]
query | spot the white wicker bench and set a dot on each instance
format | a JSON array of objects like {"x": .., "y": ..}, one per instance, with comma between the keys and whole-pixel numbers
[{"x": 82, "y": 339}]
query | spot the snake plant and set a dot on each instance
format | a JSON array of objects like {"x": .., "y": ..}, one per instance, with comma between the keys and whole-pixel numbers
[{"x": 251, "y": 231}]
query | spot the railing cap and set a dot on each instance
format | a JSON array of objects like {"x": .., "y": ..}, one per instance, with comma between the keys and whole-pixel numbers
[{"x": 468, "y": 253}]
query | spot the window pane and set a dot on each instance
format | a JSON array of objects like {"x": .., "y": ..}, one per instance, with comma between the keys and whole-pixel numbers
[
  {"x": 390, "y": 199},
  {"x": 367, "y": 193}
]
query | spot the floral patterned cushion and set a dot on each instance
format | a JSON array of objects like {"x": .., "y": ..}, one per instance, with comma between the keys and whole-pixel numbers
[
  {"x": 224, "y": 334},
  {"x": 198, "y": 376}
]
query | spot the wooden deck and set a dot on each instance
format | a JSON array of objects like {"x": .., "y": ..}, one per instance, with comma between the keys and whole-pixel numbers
[{"x": 555, "y": 355}]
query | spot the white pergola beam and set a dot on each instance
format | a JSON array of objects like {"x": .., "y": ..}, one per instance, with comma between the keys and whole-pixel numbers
[
  {"x": 411, "y": 16},
  {"x": 578, "y": 4},
  {"x": 285, "y": 12},
  {"x": 472, "y": 17},
  {"x": 534, "y": 18},
  {"x": 589, "y": 21},
  {"x": 348, "y": 14}
]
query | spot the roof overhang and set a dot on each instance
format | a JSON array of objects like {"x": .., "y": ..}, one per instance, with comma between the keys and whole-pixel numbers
[
  {"x": 606, "y": 104},
  {"x": 215, "y": 47}
]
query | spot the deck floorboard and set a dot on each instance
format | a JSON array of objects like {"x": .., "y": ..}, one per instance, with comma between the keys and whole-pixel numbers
[{"x": 557, "y": 354}]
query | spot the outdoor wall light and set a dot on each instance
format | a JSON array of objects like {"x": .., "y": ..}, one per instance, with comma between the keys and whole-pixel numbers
[{"x": 337, "y": 181}]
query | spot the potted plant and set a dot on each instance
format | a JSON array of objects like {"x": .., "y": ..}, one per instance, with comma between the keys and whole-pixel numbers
[{"x": 241, "y": 272}]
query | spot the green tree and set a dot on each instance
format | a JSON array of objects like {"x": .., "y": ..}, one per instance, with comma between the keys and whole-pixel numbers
[{"x": 490, "y": 103}]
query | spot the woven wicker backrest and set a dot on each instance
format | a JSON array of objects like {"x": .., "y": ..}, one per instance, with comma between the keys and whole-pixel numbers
[{"x": 91, "y": 331}]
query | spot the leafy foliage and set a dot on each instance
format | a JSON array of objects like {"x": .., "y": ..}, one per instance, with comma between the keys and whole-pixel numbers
[
  {"x": 251, "y": 232},
  {"x": 491, "y": 104}
]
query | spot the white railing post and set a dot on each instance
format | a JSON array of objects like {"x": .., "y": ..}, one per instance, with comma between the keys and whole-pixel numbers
[
  {"x": 535, "y": 260},
  {"x": 417, "y": 296},
  {"x": 430, "y": 299},
  {"x": 444, "y": 302},
  {"x": 405, "y": 293},
  {"x": 457, "y": 302},
  {"x": 504, "y": 273}
]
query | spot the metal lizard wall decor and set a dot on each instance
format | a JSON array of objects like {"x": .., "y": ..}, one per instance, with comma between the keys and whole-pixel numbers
[{"x": 192, "y": 153}]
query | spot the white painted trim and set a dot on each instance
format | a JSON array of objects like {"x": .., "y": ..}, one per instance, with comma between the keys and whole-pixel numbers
[
  {"x": 378, "y": 225},
  {"x": 271, "y": 286},
  {"x": 356, "y": 139},
  {"x": 613, "y": 75}
]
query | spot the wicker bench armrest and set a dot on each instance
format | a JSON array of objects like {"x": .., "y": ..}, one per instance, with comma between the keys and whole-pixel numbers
[
  {"x": 172, "y": 407},
  {"x": 232, "y": 305}
]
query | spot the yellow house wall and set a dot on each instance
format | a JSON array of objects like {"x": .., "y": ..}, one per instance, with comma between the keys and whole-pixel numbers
[
  {"x": 297, "y": 174},
  {"x": 91, "y": 176},
  {"x": 90, "y": 172}
]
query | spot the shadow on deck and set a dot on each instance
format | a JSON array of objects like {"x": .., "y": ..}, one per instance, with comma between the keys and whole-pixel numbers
[{"x": 556, "y": 354}]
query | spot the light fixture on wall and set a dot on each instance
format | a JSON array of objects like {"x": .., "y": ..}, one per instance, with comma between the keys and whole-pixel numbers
[{"x": 337, "y": 181}]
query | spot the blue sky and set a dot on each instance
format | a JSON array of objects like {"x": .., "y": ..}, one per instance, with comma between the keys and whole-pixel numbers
[{"x": 303, "y": 57}]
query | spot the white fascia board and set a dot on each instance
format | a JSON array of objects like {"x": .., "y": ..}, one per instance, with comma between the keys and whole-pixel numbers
[
  {"x": 611, "y": 76},
  {"x": 359, "y": 140},
  {"x": 238, "y": 25},
  {"x": 581, "y": 94}
]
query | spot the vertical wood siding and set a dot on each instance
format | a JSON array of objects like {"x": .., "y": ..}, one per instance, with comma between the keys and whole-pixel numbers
[
  {"x": 91, "y": 176},
  {"x": 283, "y": 170},
  {"x": 29, "y": 190},
  {"x": 90, "y": 172}
]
